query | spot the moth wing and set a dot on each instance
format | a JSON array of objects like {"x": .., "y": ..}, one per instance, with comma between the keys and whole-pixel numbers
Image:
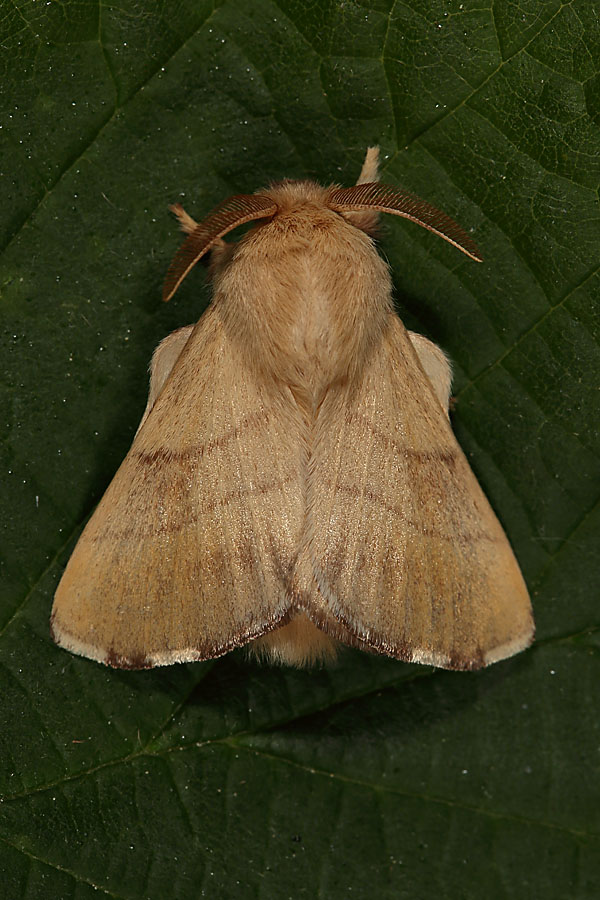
[
  {"x": 406, "y": 551},
  {"x": 188, "y": 553}
]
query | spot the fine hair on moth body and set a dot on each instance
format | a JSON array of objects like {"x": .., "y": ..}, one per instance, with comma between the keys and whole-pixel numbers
[{"x": 295, "y": 482}]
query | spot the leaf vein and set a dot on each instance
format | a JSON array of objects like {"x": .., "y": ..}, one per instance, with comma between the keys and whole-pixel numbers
[{"x": 415, "y": 795}]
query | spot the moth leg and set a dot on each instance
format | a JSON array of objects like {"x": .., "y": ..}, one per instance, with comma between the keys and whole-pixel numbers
[
  {"x": 436, "y": 366},
  {"x": 163, "y": 359},
  {"x": 220, "y": 251},
  {"x": 367, "y": 219},
  {"x": 186, "y": 223},
  {"x": 370, "y": 167}
]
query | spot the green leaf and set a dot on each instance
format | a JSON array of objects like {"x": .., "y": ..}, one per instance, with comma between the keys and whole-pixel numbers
[{"x": 371, "y": 778}]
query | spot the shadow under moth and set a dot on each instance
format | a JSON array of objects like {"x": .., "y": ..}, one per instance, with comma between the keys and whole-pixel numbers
[{"x": 294, "y": 481}]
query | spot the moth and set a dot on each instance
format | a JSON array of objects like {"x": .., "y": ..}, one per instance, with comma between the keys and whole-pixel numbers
[{"x": 295, "y": 482}]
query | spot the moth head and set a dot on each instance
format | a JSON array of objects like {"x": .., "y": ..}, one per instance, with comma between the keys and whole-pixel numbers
[{"x": 359, "y": 205}]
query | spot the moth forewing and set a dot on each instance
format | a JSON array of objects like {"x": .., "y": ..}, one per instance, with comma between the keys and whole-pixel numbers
[
  {"x": 418, "y": 566},
  {"x": 294, "y": 481},
  {"x": 186, "y": 555}
]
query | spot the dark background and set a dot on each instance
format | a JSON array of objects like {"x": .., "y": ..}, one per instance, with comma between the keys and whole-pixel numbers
[{"x": 373, "y": 778}]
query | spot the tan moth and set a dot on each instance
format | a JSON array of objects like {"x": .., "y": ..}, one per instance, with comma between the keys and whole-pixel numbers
[{"x": 295, "y": 482}]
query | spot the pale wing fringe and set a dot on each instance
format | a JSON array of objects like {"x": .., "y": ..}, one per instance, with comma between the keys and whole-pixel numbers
[{"x": 189, "y": 552}]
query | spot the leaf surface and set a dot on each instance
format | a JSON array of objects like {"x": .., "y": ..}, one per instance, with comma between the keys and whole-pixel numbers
[{"x": 372, "y": 778}]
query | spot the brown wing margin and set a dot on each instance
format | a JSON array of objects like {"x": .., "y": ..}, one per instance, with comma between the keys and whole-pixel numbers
[{"x": 406, "y": 550}]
